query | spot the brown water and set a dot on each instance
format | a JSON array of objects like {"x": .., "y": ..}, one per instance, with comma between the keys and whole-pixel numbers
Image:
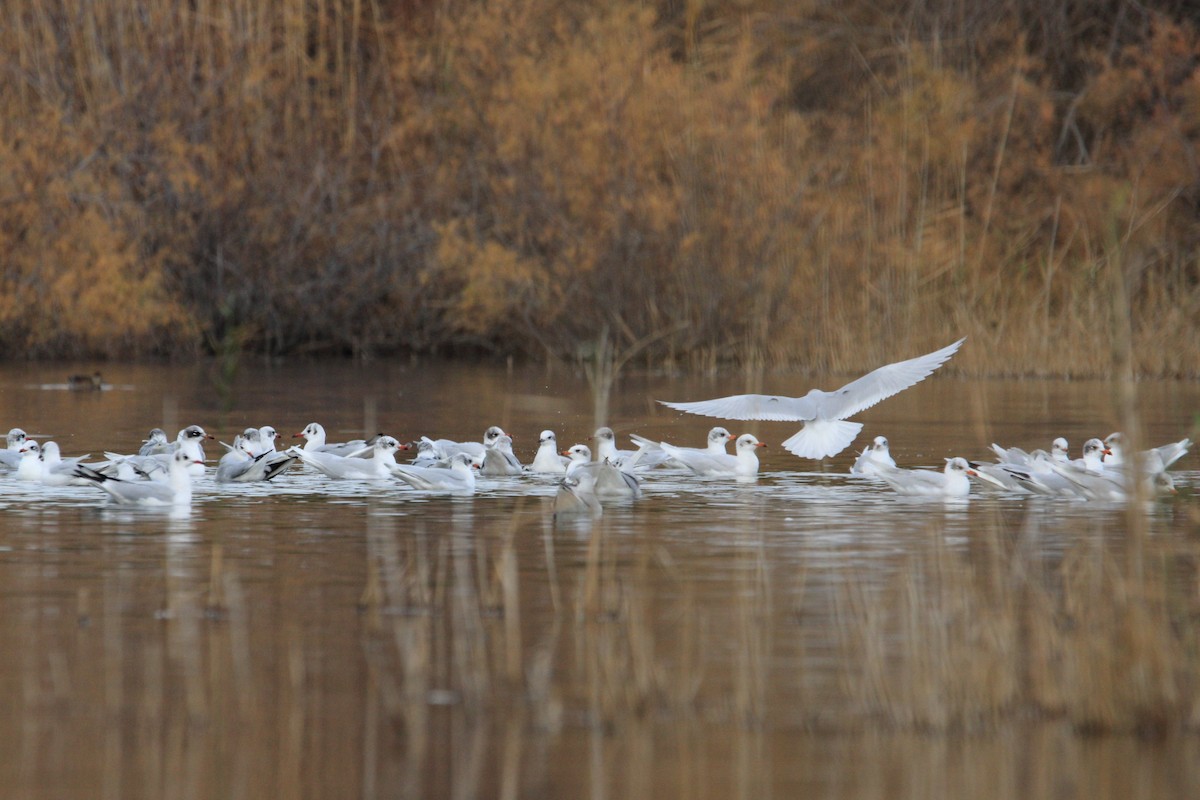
[{"x": 310, "y": 638}]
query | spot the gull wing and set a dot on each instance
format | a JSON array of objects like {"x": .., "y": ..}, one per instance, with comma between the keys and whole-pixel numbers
[
  {"x": 1170, "y": 453},
  {"x": 849, "y": 400},
  {"x": 701, "y": 462},
  {"x": 123, "y": 491},
  {"x": 429, "y": 478},
  {"x": 613, "y": 480},
  {"x": 883, "y": 383},
  {"x": 913, "y": 481},
  {"x": 751, "y": 406},
  {"x": 574, "y": 498},
  {"x": 277, "y": 466},
  {"x": 139, "y": 492}
]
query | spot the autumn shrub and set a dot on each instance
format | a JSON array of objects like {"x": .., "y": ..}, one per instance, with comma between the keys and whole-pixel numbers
[
  {"x": 627, "y": 191},
  {"x": 83, "y": 275},
  {"x": 757, "y": 183}
]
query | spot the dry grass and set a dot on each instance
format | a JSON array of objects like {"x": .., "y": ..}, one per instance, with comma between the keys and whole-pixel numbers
[{"x": 717, "y": 186}]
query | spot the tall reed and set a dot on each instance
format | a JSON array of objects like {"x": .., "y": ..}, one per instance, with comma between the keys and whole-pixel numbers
[{"x": 720, "y": 186}]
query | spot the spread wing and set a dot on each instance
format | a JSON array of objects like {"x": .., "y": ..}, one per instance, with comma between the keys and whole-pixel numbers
[
  {"x": 751, "y": 406},
  {"x": 849, "y": 400},
  {"x": 881, "y": 384}
]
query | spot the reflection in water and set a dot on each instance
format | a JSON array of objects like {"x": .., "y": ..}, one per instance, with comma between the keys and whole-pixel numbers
[{"x": 805, "y": 633}]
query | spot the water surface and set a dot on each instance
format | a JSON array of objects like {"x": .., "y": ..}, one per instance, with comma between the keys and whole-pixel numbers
[{"x": 312, "y": 638}]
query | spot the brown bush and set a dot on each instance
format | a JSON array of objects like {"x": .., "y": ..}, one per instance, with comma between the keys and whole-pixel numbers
[{"x": 764, "y": 183}]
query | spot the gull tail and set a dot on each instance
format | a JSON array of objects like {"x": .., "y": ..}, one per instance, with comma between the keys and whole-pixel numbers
[
  {"x": 822, "y": 438},
  {"x": 643, "y": 442}
]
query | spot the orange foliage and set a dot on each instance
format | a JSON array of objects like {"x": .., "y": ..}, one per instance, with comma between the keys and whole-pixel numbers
[
  {"x": 761, "y": 181},
  {"x": 80, "y": 276}
]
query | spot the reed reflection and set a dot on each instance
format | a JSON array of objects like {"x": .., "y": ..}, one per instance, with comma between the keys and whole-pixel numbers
[{"x": 805, "y": 634}]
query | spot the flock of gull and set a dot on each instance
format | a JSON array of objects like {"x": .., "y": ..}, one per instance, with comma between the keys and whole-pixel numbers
[{"x": 162, "y": 472}]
